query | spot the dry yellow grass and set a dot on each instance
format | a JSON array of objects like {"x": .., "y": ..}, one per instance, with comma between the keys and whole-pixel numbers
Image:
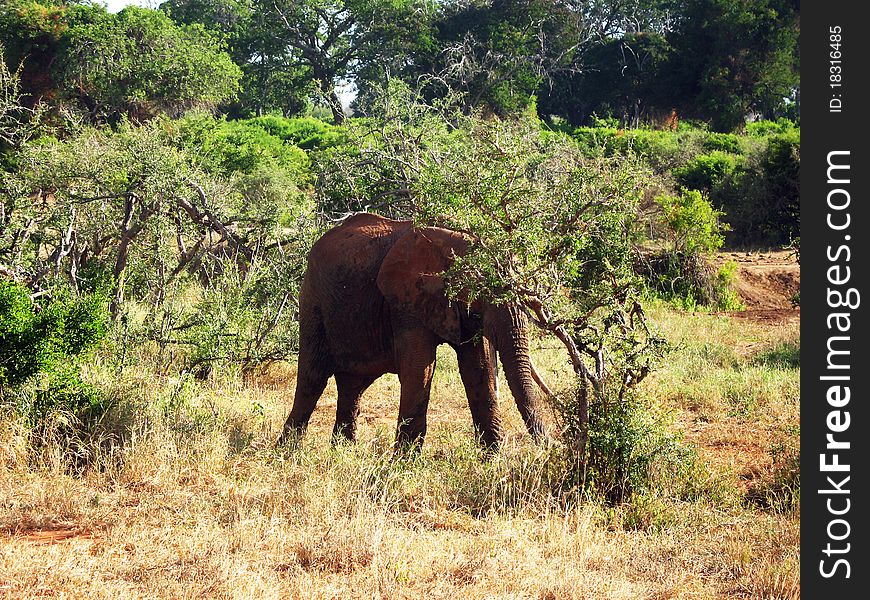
[{"x": 196, "y": 503}]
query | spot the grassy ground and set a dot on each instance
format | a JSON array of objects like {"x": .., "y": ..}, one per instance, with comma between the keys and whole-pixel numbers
[{"x": 196, "y": 502}]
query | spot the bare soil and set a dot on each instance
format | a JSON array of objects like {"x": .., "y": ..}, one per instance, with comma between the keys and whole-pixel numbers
[{"x": 766, "y": 283}]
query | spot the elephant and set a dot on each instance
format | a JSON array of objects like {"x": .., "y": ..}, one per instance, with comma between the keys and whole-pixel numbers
[{"x": 373, "y": 301}]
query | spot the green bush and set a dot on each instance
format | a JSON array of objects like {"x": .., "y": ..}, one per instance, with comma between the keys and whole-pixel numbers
[
  {"x": 766, "y": 128},
  {"x": 241, "y": 146},
  {"x": 307, "y": 133},
  {"x": 724, "y": 142},
  {"x": 707, "y": 171},
  {"x": 593, "y": 140},
  {"x": 752, "y": 178},
  {"x": 689, "y": 281},
  {"x": 34, "y": 338},
  {"x": 38, "y": 350},
  {"x": 243, "y": 319},
  {"x": 630, "y": 449},
  {"x": 726, "y": 297},
  {"x": 681, "y": 273},
  {"x": 762, "y": 196},
  {"x": 662, "y": 150},
  {"x": 694, "y": 226}
]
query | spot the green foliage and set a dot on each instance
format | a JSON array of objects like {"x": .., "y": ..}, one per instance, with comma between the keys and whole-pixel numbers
[
  {"x": 180, "y": 209},
  {"x": 765, "y": 128},
  {"x": 694, "y": 226},
  {"x": 499, "y": 55},
  {"x": 39, "y": 347},
  {"x": 731, "y": 57},
  {"x": 723, "y": 288},
  {"x": 307, "y": 133},
  {"x": 140, "y": 63},
  {"x": 241, "y": 146},
  {"x": 707, "y": 171},
  {"x": 662, "y": 150},
  {"x": 240, "y": 320},
  {"x": 689, "y": 281},
  {"x": 622, "y": 79},
  {"x": 723, "y": 142},
  {"x": 762, "y": 195},
  {"x": 632, "y": 452},
  {"x": 253, "y": 36},
  {"x": 34, "y": 339},
  {"x": 658, "y": 63}
]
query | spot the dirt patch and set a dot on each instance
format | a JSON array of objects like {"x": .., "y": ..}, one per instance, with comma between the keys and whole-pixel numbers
[
  {"x": 766, "y": 283},
  {"x": 732, "y": 446}
]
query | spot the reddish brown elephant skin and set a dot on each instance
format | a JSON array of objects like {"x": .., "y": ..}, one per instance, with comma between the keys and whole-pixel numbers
[{"x": 373, "y": 302}]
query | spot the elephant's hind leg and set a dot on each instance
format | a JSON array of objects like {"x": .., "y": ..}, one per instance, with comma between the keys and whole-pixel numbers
[
  {"x": 350, "y": 389},
  {"x": 312, "y": 374}
]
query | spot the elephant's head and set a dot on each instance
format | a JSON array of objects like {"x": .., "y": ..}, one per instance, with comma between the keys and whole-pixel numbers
[{"x": 411, "y": 280}]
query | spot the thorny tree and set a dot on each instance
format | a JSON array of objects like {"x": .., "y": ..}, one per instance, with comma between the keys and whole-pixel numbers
[
  {"x": 551, "y": 229},
  {"x": 132, "y": 210}
]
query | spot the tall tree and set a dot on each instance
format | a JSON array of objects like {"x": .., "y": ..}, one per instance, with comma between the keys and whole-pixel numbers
[
  {"x": 733, "y": 57},
  {"x": 141, "y": 63},
  {"x": 271, "y": 78},
  {"x": 500, "y": 52},
  {"x": 136, "y": 62},
  {"x": 31, "y": 32},
  {"x": 336, "y": 39}
]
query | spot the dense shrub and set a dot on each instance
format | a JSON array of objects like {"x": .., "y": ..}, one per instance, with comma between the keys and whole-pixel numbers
[
  {"x": 631, "y": 451},
  {"x": 34, "y": 338},
  {"x": 707, "y": 171},
  {"x": 761, "y": 129},
  {"x": 201, "y": 228},
  {"x": 689, "y": 281},
  {"x": 751, "y": 178},
  {"x": 724, "y": 142},
  {"x": 38, "y": 349},
  {"x": 682, "y": 273},
  {"x": 307, "y": 133},
  {"x": 693, "y": 225},
  {"x": 139, "y": 63},
  {"x": 241, "y": 146},
  {"x": 762, "y": 196}
]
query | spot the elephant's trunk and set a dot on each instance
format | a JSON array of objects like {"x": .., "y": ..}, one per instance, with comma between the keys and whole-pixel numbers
[{"x": 512, "y": 342}]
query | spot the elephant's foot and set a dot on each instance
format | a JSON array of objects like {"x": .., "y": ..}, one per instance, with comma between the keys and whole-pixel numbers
[
  {"x": 343, "y": 432},
  {"x": 292, "y": 433},
  {"x": 489, "y": 444},
  {"x": 409, "y": 440}
]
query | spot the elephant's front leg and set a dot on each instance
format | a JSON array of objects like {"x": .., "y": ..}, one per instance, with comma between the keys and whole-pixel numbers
[
  {"x": 415, "y": 354},
  {"x": 477, "y": 368}
]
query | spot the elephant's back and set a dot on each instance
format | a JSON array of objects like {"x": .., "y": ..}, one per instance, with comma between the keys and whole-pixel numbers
[{"x": 355, "y": 249}]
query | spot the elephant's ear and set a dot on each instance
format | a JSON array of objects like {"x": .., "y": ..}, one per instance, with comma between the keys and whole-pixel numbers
[{"x": 410, "y": 278}]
